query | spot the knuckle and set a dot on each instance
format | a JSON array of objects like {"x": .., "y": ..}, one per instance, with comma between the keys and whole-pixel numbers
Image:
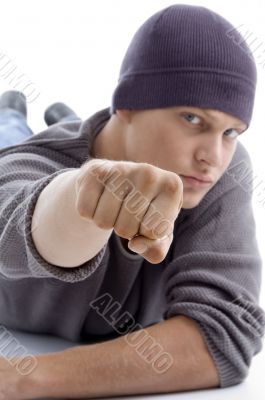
[
  {"x": 79, "y": 180},
  {"x": 122, "y": 232},
  {"x": 84, "y": 211},
  {"x": 162, "y": 229},
  {"x": 101, "y": 172},
  {"x": 107, "y": 225},
  {"x": 173, "y": 185},
  {"x": 150, "y": 176},
  {"x": 180, "y": 183},
  {"x": 158, "y": 254},
  {"x": 98, "y": 170},
  {"x": 101, "y": 223},
  {"x": 83, "y": 179},
  {"x": 122, "y": 167}
]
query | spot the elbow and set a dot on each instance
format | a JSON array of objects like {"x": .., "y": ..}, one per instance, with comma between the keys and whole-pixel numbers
[
  {"x": 233, "y": 376},
  {"x": 232, "y": 361}
]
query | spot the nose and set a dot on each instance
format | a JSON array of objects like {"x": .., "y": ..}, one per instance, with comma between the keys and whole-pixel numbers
[{"x": 210, "y": 149}]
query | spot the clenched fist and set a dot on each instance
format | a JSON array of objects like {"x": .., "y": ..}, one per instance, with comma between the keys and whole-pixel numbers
[{"x": 138, "y": 200}]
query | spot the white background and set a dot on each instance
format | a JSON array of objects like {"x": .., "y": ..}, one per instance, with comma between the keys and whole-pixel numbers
[{"x": 71, "y": 51}]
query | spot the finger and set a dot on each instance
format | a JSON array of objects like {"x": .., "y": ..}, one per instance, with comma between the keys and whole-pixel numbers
[
  {"x": 132, "y": 211},
  {"x": 155, "y": 249},
  {"x": 110, "y": 204},
  {"x": 164, "y": 209},
  {"x": 135, "y": 204},
  {"x": 90, "y": 188},
  {"x": 87, "y": 199}
]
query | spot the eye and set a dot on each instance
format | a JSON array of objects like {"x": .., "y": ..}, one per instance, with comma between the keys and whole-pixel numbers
[
  {"x": 233, "y": 131},
  {"x": 193, "y": 119}
]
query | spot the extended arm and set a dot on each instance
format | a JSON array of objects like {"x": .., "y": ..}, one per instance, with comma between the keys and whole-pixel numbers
[{"x": 117, "y": 367}]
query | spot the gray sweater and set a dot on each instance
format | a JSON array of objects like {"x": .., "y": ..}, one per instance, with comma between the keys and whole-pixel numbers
[{"x": 212, "y": 271}]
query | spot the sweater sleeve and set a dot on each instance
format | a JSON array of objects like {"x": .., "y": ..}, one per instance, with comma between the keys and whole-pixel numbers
[
  {"x": 214, "y": 276},
  {"x": 23, "y": 176}
]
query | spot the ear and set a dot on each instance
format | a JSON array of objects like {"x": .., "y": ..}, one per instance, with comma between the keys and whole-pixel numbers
[{"x": 125, "y": 115}]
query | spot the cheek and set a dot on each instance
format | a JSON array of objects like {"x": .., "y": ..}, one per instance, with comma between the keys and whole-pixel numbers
[
  {"x": 138, "y": 147},
  {"x": 227, "y": 158},
  {"x": 157, "y": 144},
  {"x": 175, "y": 149}
]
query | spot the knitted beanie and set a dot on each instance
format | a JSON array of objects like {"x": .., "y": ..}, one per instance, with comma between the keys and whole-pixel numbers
[{"x": 187, "y": 55}]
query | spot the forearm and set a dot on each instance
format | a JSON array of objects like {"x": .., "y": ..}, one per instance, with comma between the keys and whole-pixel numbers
[
  {"x": 118, "y": 368},
  {"x": 60, "y": 234}
]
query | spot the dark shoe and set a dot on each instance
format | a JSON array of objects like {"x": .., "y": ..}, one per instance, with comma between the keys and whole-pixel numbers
[
  {"x": 55, "y": 112},
  {"x": 15, "y": 100}
]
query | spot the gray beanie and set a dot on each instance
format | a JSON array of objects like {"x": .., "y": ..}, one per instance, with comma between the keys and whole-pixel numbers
[{"x": 187, "y": 56}]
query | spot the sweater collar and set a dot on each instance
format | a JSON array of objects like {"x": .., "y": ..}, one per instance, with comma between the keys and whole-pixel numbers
[{"x": 90, "y": 127}]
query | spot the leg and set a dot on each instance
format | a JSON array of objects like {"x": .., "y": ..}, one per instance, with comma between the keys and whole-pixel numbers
[
  {"x": 13, "y": 119},
  {"x": 59, "y": 112},
  {"x": 70, "y": 117}
]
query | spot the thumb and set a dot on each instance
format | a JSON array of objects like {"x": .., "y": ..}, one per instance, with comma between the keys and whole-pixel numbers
[
  {"x": 138, "y": 246},
  {"x": 151, "y": 248}
]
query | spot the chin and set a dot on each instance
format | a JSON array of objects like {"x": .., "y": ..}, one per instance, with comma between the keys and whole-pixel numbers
[
  {"x": 191, "y": 203},
  {"x": 189, "y": 207}
]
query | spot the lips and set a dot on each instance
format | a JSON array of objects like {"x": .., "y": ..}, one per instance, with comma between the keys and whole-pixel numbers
[
  {"x": 194, "y": 182},
  {"x": 200, "y": 178}
]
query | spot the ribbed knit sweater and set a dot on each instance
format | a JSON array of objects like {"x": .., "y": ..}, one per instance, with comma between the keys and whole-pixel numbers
[{"x": 211, "y": 273}]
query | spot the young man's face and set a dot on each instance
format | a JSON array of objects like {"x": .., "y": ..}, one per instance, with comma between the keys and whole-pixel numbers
[{"x": 186, "y": 140}]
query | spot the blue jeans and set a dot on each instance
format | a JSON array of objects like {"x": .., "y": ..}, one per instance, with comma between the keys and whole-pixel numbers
[{"x": 14, "y": 128}]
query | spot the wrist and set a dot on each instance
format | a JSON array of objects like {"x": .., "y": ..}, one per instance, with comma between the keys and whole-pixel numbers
[{"x": 48, "y": 377}]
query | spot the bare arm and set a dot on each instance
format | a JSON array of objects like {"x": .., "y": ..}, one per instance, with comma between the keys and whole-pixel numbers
[
  {"x": 60, "y": 234},
  {"x": 117, "y": 367},
  {"x": 77, "y": 211}
]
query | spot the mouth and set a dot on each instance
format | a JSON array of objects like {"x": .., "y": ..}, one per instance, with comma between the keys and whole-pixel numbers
[{"x": 194, "y": 182}]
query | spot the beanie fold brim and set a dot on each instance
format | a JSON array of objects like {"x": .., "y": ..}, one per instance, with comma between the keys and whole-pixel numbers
[{"x": 205, "y": 88}]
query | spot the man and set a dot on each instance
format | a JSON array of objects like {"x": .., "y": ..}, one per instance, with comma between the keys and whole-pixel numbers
[{"x": 161, "y": 167}]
